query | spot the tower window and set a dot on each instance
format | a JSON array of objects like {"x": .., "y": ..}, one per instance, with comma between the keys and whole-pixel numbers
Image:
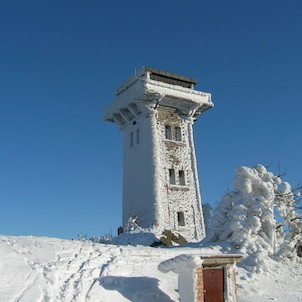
[
  {"x": 127, "y": 114},
  {"x": 181, "y": 178},
  {"x": 135, "y": 109},
  {"x": 181, "y": 218},
  {"x": 178, "y": 134},
  {"x": 172, "y": 176},
  {"x": 131, "y": 139},
  {"x": 119, "y": 119},
  {"x": 137, "y": 136},
  {"x": 168, "y": 132}
]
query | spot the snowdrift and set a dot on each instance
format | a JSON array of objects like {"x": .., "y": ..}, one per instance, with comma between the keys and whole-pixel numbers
[{"x": 48, "y": 269}]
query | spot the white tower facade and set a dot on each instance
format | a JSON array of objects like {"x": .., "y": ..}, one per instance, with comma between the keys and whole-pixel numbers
[{"x": 155, "y": 111}]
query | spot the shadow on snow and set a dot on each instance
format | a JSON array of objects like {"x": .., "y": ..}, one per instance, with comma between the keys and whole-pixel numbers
[{"x": 136, "y": 289}]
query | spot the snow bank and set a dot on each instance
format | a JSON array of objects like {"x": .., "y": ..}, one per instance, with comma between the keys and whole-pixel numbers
[
  {"x": 49, "y": 269},
  {"x": 142, "y": 237},
  {"x": 184, "y": 266}
]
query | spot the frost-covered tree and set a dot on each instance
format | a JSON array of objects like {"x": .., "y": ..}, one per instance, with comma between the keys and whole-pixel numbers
[
  {"x": 259, "y": 217},
  {"x": 288, "y": 208}
]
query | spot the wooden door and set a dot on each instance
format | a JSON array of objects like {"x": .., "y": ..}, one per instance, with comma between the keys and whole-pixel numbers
[{"x": 213, "y": 282}]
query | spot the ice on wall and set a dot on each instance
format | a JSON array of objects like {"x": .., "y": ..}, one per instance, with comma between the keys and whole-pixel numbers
[{"x": 258, "y": 218}]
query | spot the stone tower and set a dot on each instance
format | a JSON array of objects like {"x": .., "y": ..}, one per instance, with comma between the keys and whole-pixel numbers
[{"x": 156, "y": 110}]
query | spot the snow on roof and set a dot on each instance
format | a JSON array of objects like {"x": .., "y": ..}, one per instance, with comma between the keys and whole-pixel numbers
[
  {"x": 180, "y": 263},
  {"x": 189, "y": 261}
]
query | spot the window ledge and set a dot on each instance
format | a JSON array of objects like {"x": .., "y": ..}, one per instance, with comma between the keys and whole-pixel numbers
[
  {"x": 178, "y": 187},
  {"x": 173, "y": 141}
]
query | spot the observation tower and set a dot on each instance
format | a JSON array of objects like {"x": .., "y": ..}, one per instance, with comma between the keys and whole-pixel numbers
[{"x": 155, "y": 110}]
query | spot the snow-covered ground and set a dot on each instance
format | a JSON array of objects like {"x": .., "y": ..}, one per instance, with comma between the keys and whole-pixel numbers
[{"x": 47, "y": 269}]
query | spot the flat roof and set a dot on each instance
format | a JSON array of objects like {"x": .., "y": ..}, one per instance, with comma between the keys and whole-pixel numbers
[
  {"x": 221, "y": 259},
  {"x": 170, "y": 78},
  {"x": 160, "y": 76}
]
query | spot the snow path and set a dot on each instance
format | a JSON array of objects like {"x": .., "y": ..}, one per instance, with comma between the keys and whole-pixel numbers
[
  {"x": 68, "y": 276},
  {"x": 47, "y": 269},
  {"x": 36, "y": 269}
]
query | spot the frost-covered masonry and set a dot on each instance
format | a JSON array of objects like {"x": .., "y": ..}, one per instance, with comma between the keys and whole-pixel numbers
[{"x": 156, "y": 112}]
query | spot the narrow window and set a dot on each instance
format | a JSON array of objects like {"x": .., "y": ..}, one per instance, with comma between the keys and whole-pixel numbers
[
  {"x": 172, "y": 176},
  {"x": 181, "y": 178},
  {"x": 178, "y": 134},
  {"x": 131, "y": 139},
  {"x": 137, "y": 136},
  {"x": 168, "y": 132},
  {"x": 181, "y": 218}
]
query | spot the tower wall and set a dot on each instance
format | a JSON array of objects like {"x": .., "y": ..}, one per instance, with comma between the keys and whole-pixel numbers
[
  {"x": 180, "y": 204},
  {"x": 138, "y": 172}
]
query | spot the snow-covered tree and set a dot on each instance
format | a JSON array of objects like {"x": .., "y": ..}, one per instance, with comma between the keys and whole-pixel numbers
[{"x": 259, "y": 217}]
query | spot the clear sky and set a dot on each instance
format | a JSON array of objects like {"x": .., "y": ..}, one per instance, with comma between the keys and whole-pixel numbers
[{"x": 61, "y": 61}]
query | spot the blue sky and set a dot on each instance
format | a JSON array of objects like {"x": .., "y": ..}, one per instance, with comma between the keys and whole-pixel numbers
[{"x": 61, "y": 61}]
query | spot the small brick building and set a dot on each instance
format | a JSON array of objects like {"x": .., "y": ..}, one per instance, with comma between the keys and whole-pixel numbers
[{"x": 204, "y": 278}]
